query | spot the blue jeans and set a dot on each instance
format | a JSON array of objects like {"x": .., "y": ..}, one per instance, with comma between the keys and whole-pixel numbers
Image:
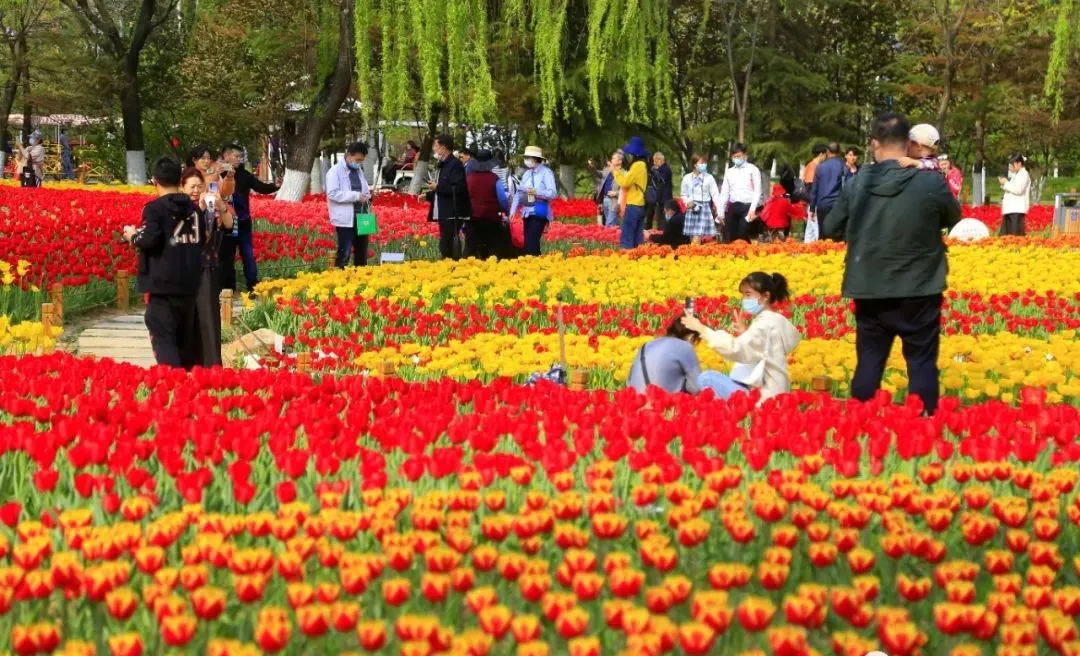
[
  {"x": 721, "y": 384},
  {"x": 633, "y": 227},
  {"x": 229, "y": 244},
  {"x": 611, "y": 212}
]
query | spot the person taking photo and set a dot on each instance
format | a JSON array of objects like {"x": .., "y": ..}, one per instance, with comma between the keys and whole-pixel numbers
[{"x": 232, "y": 156}]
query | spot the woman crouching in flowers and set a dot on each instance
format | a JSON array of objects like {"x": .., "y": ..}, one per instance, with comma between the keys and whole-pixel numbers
[
  {"x": 215, "y": 218},
  {"x": 669, "y": 362},
  {"x": 760, "y": 351}
]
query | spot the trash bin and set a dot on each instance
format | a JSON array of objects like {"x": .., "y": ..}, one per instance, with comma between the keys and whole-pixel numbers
[{"x": 1066, "y": 214}]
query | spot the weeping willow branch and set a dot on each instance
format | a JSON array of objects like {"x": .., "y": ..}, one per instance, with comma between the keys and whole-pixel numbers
[{"x": 1065, "y": 34}]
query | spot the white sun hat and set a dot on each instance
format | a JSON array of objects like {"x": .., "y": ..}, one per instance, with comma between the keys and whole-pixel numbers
[{"x": 534, "y": 151}]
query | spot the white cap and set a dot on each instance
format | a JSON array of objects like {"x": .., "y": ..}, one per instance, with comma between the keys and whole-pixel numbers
[{"x": 925, "y": 134}]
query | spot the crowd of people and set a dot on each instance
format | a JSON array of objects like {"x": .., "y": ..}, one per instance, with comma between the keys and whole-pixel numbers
[
  {"x": 891, "y": 214},
  {"x": 187, "y": 246}
]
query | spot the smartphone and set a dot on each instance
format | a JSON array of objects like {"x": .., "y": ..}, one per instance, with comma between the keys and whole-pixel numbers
[
  {"x": 212, "y": 187},
  {"x": 689, "y": 307}
]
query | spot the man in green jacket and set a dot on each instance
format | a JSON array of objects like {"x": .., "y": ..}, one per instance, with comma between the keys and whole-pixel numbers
[{"x": 892, "y": 219}]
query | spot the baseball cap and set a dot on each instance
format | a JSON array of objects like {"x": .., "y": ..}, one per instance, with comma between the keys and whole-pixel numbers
[{"x": 925, "y": 134}]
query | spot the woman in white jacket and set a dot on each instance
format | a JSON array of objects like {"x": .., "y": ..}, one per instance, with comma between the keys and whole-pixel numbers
[
  {"x": 759, "y": 350},
  {"x": 1015, "y": 197},
  {"x": 348, "y": 195}
]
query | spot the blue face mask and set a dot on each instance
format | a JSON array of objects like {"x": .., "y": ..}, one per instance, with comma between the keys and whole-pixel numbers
[
  {"x": 752, "y": 306},
  {"x": 738, "y": 161},
  {"x": 353, "y": 165},
  {"x": 702, "y": 167}
]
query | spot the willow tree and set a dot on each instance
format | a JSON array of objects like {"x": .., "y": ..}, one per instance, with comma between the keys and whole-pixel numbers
[
  {"x": 440, "y": 49},
  {"x": 1066, "y": 42}
]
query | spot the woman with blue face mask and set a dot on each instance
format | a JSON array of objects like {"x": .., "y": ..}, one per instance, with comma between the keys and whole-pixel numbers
[
  {"x": 759, "y": 350},
  {"x": 701, "y": 195}
]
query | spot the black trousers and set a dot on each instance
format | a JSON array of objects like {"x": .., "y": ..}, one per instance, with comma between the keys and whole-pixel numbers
[
  {"x": 534, "y": 232},
  {"x": 483, "y": 239},
  {"x": 735, "y": 225},
  {"x": 174, "y": 333},
  {"x": 917, "y": 322},
  {"x": 350, "y": 242},
  {"x": 1012, "y": 224},
  {"x": 449, "y": 239}
]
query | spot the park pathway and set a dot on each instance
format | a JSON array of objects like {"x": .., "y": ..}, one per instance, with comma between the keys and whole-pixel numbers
[{"x": 124, "y": 338}]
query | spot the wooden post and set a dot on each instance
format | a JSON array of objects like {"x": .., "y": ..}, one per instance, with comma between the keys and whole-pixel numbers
[
  {"x": 577, "y": 380},
  {"x": 48, "y": 319},
  {"x": 303, "y": 361},
  {"x": 56, "y": 295},
  {"x": 821, "y": 384},
  {"x": 123, "y": 297},
  {"x": 225, "y": 301},
  {"x": 388, "y": 368}
]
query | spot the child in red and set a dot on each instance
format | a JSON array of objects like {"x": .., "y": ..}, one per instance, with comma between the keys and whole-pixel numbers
[{"x": 779, "y": 211}]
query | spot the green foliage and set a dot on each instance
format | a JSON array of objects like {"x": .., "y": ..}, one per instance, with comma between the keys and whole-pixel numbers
[
  {"x": 548, "y": 22},
  {"x": 1064, "y": 46}
]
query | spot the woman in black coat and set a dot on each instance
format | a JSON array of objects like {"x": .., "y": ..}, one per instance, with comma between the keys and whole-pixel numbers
[{"x": 449, "y": 197}]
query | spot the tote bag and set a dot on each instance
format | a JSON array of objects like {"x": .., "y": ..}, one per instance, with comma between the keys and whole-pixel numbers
[{"x": 366, "y": 223}]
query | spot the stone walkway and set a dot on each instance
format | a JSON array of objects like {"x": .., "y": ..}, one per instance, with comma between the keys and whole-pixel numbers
[{"x": 124, "y": 338}]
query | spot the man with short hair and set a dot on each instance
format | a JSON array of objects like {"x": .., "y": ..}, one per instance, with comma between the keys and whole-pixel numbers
[
  {"x": 739, "y": 196},
  {"x": 449, "y": 197},
  {"x": 170, "y": 267},
  {"x": 347, "y": 197},
  {"x": 851, "y": 160},
  {"x": 660, "y": 178},
  {"x": 828, "y": 180},
  {"x": 242, "y": 235},
  {"x": 817, "y": 156},
  {"x": 892, "y": 219}
]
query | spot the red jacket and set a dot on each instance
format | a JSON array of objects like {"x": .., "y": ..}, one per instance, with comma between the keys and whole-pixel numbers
[
  {"x": 779, "y": 211},
  {"x": 485, "y": 202}
]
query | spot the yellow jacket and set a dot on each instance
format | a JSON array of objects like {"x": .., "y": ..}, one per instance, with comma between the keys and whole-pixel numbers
[{"x": 633, "y": 182}]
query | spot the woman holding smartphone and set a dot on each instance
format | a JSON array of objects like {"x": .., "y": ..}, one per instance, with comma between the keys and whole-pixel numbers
[{"x": 215, "y": 217}]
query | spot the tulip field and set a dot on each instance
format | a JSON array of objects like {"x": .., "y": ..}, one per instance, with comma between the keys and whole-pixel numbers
[{"x": 409, "y": 494}]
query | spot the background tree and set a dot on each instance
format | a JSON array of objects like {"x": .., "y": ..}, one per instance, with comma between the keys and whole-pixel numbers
[{"x": 123, "y": 37}]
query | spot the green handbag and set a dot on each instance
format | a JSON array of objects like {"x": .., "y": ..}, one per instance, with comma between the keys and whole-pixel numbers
[{"x": 366, "y": 224}]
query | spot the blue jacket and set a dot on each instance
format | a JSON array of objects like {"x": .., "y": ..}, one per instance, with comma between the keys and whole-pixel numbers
[{"x": 828, "y": 180}]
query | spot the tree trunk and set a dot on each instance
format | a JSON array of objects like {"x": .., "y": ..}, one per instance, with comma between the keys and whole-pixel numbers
[
  {"x": 28, "y": 108},
  {"x": 420, "y": 168},
  {"x": 980, "y": 121},
  {"x": 332, "y": 93},
  {"x": 11, "y": 88},
  {"x": 568, "y": 181},
  {"x": 946, "y": 92},
  {"x": 131, "y": 112}
]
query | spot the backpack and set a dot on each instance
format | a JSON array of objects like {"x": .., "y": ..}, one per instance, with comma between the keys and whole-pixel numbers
[
  {"x": 800, "y": 192},
  {"x": 652, "y": 191}
]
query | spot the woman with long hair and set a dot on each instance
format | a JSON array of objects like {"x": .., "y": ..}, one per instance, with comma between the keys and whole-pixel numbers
[{"x": 215, "y": 218}]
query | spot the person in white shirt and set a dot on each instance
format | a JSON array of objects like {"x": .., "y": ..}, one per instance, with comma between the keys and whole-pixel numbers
[
  {"x": 759, "y": 350},
  {"x": 1015, "y": 199},
  {"x": 348, "y": 195},
  {"x": 739, "y": 196},
  {"x": 701, "y": 196}
]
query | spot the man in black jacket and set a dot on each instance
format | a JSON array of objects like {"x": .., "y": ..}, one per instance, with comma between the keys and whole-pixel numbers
[
  {"x": 242, "y": 235},
  {"x": 170, "y": 267},
  {"x": 449, "y": 197},
  {"x": 892, "y": 219}
]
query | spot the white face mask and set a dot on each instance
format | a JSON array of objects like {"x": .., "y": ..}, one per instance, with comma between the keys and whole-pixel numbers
[{"x": 531, "y": 163}]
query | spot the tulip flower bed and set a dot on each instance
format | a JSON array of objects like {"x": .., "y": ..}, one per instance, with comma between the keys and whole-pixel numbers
[
  {"x": 481, "y": 320},
  {"x": 227, "y": 511},
  {"x": 72, "y": 237}
]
